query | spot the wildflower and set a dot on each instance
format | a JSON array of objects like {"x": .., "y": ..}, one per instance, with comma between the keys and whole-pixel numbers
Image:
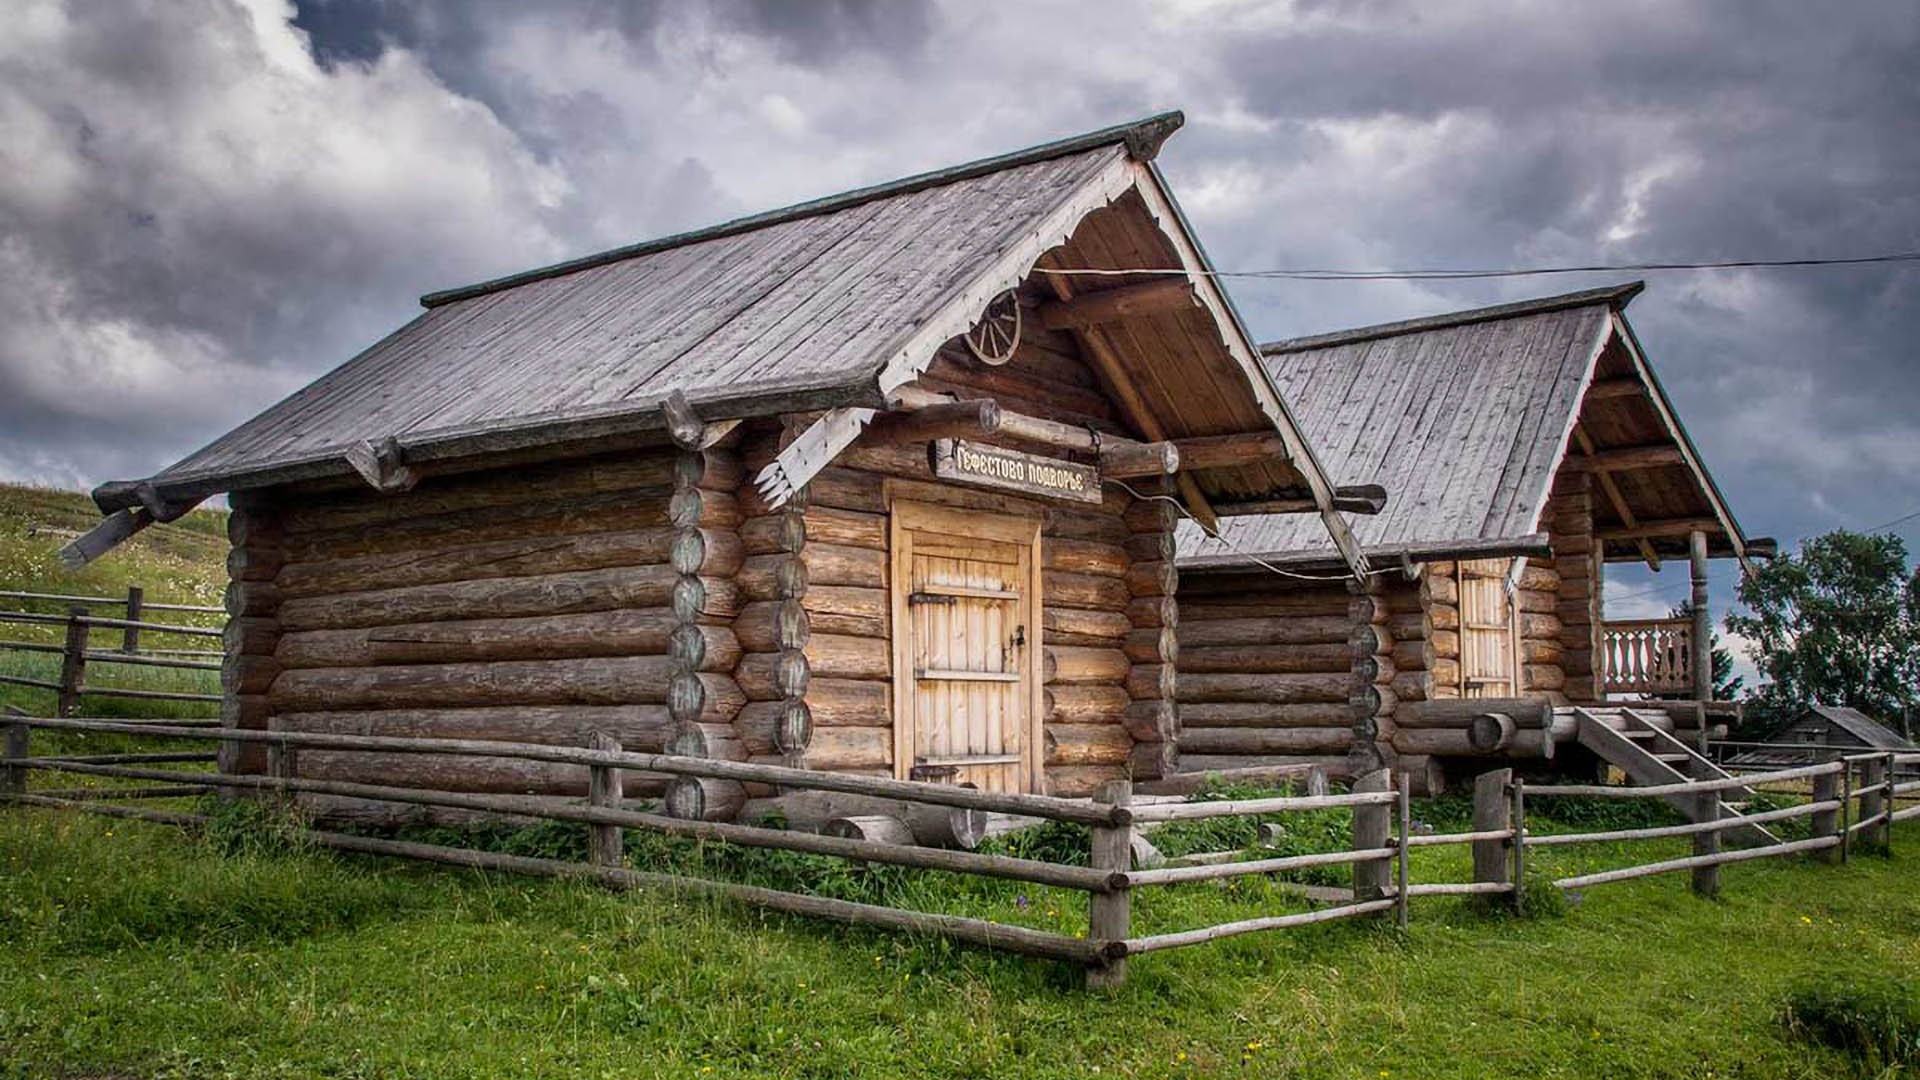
[{"x": 1020, "y": 901}]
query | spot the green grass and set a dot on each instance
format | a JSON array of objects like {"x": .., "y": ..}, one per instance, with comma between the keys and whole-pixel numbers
[
  {"x": 135, "y": 950},
  {"x": 183, "y": 562}
]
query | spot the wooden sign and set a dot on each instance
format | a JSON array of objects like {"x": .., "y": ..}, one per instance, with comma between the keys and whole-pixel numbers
[{"x": 1011, "y": 470}]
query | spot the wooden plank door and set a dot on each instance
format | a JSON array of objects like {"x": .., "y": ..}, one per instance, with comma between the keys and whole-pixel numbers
[
  {"x": 966, "y": 634},
  {"x": 1487, "y": 640}
]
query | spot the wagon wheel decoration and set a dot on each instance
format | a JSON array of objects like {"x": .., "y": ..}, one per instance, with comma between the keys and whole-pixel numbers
[{"x": 993, "y": 338}]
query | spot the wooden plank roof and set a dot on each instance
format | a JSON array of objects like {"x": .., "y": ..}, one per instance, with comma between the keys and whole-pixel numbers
[
  {"x": 1465, "y": 418},
  {"x": 796, "y": 308}
]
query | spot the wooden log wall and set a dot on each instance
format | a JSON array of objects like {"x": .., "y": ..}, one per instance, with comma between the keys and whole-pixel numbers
[
  {"x": 542, "y": 603},
  {"x": 710, "y": 560},
  {"x": 1272, "y": 671},
  {"x": 1574, "y": 622},
  {"x": 1152, "y": 651}
]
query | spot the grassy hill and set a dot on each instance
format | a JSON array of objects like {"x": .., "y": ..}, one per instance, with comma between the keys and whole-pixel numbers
[{"x": 183, "y": 562}]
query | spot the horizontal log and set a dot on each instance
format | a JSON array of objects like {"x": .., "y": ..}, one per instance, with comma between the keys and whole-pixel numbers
[
  {"x": 1408, "y": 626},
  {"x": 1153, "y": 646},
  {"x": 239, "y": 674},
  {"x": 1272, "y": 630},
  {"x": 946, "y": 420},
  {"x": 1153, "y": 611},
  {"x": 1267, "y": 658},
  {"x": 764, "y": 578},
  {"x": 255, "y": 636},
  {"x": 847, "y": 528},
  {"x": 1415, "y": 655},
  {"x": 871, "y": 828},
  {"x": 1152, "y": 579},
  {"x": 543, "y": 594},
  {"x": 1081, "y": 781},
  {"x": 1085, "y": 557},
  {"x": 1152, "y": 682},
  {"x": 845, "y": 749},
  {"x": 1536, "y": 602},
  {"x": 846, "y": 489},
  {"x": 252, "y": 598},
  {"x": 1074, "y": 522},
  {"x": 932, "y": 826},
  {"x": 1116, "y": 304},
  {"x": 773, "y": 676},
  {"x": 1272, "y": 688},
  {"x": 1436, "y": 589},
  {"x": 774, "y": 727},
  {"x": 697, "y": 506},
  {"x": 1536, "y": 651},
  {"x": 1092, "y": 703},
  {"x": 706, "y": 551},
  {"x": 1624, "y": 458},
  {"x": 1455, "y": 742},
  {"x": 1526, "y": 713},
  {"x": 496, "y": 488},
  {"x": 1540, "y": 626},
  {"x": 635, "y": 632},
  {"x": 850, "y": 702},
  {"x": 1125, "y": 459},
  {"x": 1427, "y": 779},
  {"x": 1086, "y": 744},
  {"x": 255, "y": 564},
  {"x": 637, "y": 727},
  {"x": 1332, "y": 765},
  {"x": 702, "y": 798},
  {"x": 773, "y": 534},
  {"x": 773, "y": 625},
  {"x": 1084, "y": 623},
  {"x": 1262, "y": 714},
  {"x": 869, "y": 606},
  {"x": 1153, "y": 760},
  {"x": 1150, "y": 516},
  {"x": 1270, "y": 740},
  {"x": 1416, "y": 685},
  {"x": 1444, "y": 616},
  {"x": 602, "y": 681},
  {"x": 701, "y": 599},
  {"x": 1150, "y": 547},
  {"x": 1543, "y": 676},
  {"x": 1231, "y": 451},
  {"x": 848, "y": 657},
  {"x": 1070, "y": 664},
  {"x": 1540, "y": 578},
  {"x": 719, "y": 741},
  {"x": 1302, "y": 779},
  {"x": 1151, "y": 721},
  {"x": 449, "y": 772},
  {"x": 1199, "y": 607},
  {"x": 1062, "y": 589}
]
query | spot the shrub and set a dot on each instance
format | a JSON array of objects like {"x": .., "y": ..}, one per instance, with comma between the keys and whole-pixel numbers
[{"x": 1875, "y": 1018}]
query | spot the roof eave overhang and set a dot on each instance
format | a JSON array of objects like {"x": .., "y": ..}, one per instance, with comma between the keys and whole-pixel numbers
[
  {"x": 1534, "y": 544},
  {"x": 463, "y": 449}
]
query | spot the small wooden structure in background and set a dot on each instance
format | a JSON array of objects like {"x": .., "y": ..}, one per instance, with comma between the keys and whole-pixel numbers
[
  {"x": 883, "y": 483},
  {"x": 1818, "y": 734},
  {"x": 1527, "y": 446}
]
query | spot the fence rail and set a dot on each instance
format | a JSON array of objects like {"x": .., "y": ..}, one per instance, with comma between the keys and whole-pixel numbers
[
  {"x": 1378, "y": 855},
  {"x": 77, "y": 651}
]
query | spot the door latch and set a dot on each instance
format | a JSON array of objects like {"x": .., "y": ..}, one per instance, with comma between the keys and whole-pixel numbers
[{"x": 1019, "y": 636}]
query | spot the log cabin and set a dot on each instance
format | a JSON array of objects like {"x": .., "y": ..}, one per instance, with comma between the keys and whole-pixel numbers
[
  {"x": 881, "y": 483},
  {"x": 1529, "y": 446}
]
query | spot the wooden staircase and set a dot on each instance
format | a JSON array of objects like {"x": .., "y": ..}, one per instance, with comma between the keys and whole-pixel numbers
[{"x": 1641, "y": 745}]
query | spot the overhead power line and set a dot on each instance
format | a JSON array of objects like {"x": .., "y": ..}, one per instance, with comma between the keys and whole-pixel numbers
[{"x": 1312, "y": 274}]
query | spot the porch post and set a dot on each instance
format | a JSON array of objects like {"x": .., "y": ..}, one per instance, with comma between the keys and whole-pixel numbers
[{"x": 1702, "y": 619}]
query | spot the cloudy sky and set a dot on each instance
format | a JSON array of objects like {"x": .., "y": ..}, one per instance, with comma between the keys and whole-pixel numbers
[{"x": 205, "y": 203}]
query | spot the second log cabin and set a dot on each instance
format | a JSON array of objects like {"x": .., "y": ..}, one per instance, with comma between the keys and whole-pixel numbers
[
  {"x": 881, "y": 483},
  {"x": 1527, "y": 446}
]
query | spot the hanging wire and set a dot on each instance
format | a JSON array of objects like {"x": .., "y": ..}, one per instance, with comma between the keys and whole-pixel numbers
[{"x": 1310, "y": 274}]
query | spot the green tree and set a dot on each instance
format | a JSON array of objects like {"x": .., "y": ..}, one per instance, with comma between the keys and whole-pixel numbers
[{"x": 1836, "y": 624}]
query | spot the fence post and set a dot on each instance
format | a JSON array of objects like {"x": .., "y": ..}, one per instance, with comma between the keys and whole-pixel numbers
[
  {"x": 1826, "y": 788},
  {"x": 73, "y": 663},
  {"x": 1110, "y": 914},
  {"x": 1706, "y": 879},
  {"x": 1404, "y": 806},
  {"x": 1846, "y": 809},
  {"x": 1893, "y": 804},
  {"x": 283, "y": 761},
  {"x": 13, "y": 778},
  {"x": 1491, "y": 814},
  {"x": 136, "y": 599},
  {"x": 1372, "y": 826},
  {"x": 605, "y": 788},
  {"x": 1874, "y": 802},
  {"x": 1519, "y": 816}
]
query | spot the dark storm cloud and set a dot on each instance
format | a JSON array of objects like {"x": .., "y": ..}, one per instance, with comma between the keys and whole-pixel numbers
[{"x": 207, "y": 202}]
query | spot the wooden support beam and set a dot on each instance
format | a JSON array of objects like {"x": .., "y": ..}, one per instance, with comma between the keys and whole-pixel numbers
[
  {"x": 1227, "y": 451},
  {"x": 1614, "y": 496},
  {"x": 379, "y": 464},
  {"x": 1113, "y": 305},
  {"x": 684, "y": 426},
  {"x": 947, "y": 420},
  {"x": 1352, "y": 498},
  {"x": 103, "y": 537},
  {"x": 1659, "y": 528},
  {"x": 1625, "y": 458},
  {"x": 1119, "y": 456},
  {"x": 1094, "y": 344},
  {"x": 1607, "y": 389}
]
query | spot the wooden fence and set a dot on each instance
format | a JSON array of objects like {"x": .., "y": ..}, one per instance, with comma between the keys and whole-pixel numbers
[
  {"x": 1382, "y": 836},
  {"x": 76, "y": 650},
  {"x": 1647, "y": 656}
]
